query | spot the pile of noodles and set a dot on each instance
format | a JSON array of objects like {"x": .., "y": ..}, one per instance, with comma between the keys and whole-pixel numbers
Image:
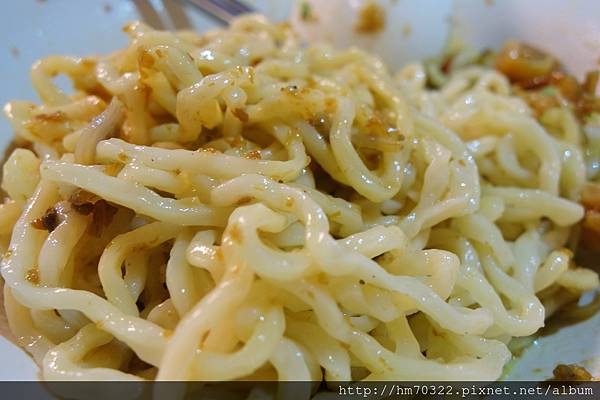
[{"x": 234, "y": 205}]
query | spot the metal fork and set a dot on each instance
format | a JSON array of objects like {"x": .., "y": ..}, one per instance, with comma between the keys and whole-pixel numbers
[{"x": 222, "y": 10}]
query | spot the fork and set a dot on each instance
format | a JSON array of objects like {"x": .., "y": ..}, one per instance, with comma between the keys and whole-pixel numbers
[{"x": 222, "y": 10}]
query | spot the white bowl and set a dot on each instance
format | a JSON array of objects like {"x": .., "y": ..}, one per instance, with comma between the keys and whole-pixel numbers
[
  {"x": 570, "y": 29},
  {"x": 416, "y": 29}
]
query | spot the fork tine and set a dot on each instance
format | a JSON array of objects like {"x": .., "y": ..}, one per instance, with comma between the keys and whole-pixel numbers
[
  {"x": 239, "y": 5},
  {"x": 148, "y": 14},
  {"x": 224, "y": 10},
  {"x": 233, "y": 7},
  {"x": 213, "y": 10},
  {"x": 177, "y": 14}
]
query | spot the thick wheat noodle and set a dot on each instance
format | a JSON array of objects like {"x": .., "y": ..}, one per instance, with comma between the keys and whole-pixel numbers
[{"x": 236, "y": 205}]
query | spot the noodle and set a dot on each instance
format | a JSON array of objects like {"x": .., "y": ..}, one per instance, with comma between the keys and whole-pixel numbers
[{"x": 234, "y": 205}]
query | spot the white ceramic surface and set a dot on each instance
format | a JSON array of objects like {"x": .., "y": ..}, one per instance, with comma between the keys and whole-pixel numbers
[
  {"x": 31, "y": 29},
  {"x": 578, "y": 344},
  {"x": 19, "y": 366},
  {"x": 415, "y": 29}
]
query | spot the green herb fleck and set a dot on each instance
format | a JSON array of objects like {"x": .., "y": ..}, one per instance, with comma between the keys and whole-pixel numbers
[
  {"x": 549, "y": 91},
  {"x": 305, "y": 11},
  {"x": 591, "y": 118}
]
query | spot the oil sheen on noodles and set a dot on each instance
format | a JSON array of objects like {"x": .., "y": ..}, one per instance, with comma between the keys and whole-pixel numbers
[{"x": 235, "y": 205}]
